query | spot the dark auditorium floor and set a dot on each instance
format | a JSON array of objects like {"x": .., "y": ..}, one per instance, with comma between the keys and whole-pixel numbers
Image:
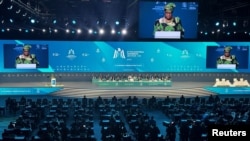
[
  {"x": 8, "y": 117},
  {"x": 157, "y": 113}
]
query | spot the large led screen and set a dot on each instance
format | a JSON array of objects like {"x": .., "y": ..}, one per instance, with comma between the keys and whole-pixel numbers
[
  {"x": 167, "y": 20},
  {"x": 24, "y": 56},
  {"x": 100, "y": 56}
]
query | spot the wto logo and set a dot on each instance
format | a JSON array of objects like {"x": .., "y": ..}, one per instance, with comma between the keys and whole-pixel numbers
[
  {"x": 119, "y": 53},
  {"x": 184, "y": 53},
  {"x": 71, "y": 54}
]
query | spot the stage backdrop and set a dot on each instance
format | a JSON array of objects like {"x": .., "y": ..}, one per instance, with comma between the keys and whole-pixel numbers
[{"x": 99, "y": 56}]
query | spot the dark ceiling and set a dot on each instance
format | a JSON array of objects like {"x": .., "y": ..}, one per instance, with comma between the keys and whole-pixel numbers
[
  {"x": 111, "y": 9},
  {"x": 71, "y": 9},
  {"x": 85, "y": 12}
]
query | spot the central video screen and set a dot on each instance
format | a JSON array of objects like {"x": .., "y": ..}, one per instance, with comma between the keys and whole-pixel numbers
[{"x": 167, "y": 20}]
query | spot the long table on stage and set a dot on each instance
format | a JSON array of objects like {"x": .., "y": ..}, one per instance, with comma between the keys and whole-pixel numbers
[{"x": 139, "y": 83}]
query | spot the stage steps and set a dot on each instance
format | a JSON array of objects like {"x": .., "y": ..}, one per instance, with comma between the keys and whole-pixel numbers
[{"x": 78, "y": 93}]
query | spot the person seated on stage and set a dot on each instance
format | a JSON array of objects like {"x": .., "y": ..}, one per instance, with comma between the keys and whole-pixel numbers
[
  {"x": 124, "y": 77},
  {"x": 139, "y": 78},
  {"x": 168, "y": 78},
  {"x": 117, "y": 78}
]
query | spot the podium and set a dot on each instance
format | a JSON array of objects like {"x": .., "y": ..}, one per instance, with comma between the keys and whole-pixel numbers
[
  {"x": 226, "y": 66},
  {"x": 53, "y": 82},
  {"x": 167, "y": 35},
  {"x": 25, "y": 66}
]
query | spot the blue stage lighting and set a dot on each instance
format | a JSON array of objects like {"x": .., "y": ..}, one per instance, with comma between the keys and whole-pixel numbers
[
  {"x": 217, "y": 23},
  {"x": 32, "y": 20},
  {"x": 234, "y": 23},
  {"x": 117, "y": 22},
  {"x": 54, "y": 21}
]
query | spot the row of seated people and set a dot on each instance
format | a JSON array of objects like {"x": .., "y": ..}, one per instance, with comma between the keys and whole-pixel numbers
[
  {"x": 139, "y": 77},
  {"x": 27, "y": 121},
  {"x": 226, "y": 83},
  {"x": 51, "y": 119},
  {"x": 55, "y": 113},
  {"x": 143, "y": 126},
  {"x": 200, "y": 116},
  {"x": 112, "y": 125}
]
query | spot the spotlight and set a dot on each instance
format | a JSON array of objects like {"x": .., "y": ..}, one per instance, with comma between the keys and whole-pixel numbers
[
  {"x": 217, "y": 23},
  {"x": 55, "y": 30},
  {"x": 101, "y": 31},
  {"x": 234, "y": 23},
  {"x": 8, "y": 29},
  {"x": 73, "y": 21},
  {"x": 117, "y": 22},
  {"x": 18, "y": 11},
  {"x": 124, "y": 32},
  {"x": 9, "y": 8},
  {"x": 79, "y": 31},
  {"x": 90, "y": 31},
  {"x": 112, "y": 31},
  {"x": 44, "y": 30},
  {"x": 32, "y": 30},
  {"x": 24, "y": 14},
  {"x": 67, "y": 30},
  {"x": 54, "y": 21},
  {"x": 11, "y": 21},
  {"x": 32, "y": 21}
]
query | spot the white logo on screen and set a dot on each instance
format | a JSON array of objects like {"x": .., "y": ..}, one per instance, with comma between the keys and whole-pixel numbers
[
  {"x": 119, "y": 53},
  {"x": 71, "y": 54},
  {"x": 185, "y": 53}
]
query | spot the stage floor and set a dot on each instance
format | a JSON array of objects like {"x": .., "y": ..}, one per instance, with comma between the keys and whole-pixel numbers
[{"x": 80, "y": 89}]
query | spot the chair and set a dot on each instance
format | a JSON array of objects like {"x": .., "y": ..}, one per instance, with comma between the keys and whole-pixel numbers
[{"x": 217, "y": 82}]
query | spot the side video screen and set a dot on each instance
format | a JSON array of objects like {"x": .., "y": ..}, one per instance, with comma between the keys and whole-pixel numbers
[
  {"x": 25, "y": 56},
  {"x": 227, "y": 57}
]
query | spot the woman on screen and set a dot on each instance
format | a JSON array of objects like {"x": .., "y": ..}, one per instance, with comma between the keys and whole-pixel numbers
[
  {"x": 26, "y": 57},
  {"x": 169, "y": 22},
  {"x": 227, "y": 58}
]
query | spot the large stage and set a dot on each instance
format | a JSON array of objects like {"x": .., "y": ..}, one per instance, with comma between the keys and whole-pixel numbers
[
  {"x": 80, "y": 89},
  {"x": 142, "y": 83},
  {"x": 229, "y": 90},
  {"x": 28, "y": 90}
]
